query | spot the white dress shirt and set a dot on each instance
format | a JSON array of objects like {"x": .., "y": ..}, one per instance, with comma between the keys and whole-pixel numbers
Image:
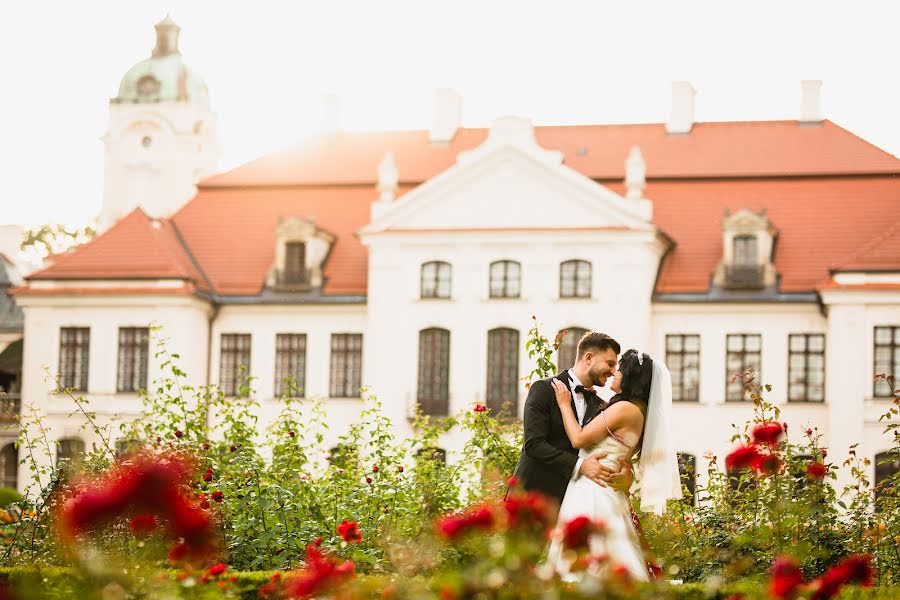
[{"x": 580, "y": 408}]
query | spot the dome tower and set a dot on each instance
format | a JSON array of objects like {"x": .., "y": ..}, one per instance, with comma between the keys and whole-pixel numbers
[{"x": 161, "y": 137}]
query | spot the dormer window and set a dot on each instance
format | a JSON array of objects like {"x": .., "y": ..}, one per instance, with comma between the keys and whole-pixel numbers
[
  {"x": 295, "y": 263},
  {"x": 748, "y": 241},
  {"x": 300, "y": 252}
]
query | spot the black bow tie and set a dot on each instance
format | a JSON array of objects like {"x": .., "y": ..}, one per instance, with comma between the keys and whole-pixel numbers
[{"x": 586, "y": 392}]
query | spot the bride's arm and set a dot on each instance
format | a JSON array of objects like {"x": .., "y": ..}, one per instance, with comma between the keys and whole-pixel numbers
[{"x": 578, "y": 436}]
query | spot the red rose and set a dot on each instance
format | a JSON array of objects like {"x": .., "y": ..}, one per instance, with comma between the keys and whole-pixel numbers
[
  {"x": 399, "y": 469},
  {"x": 578, "y": 531},
  {"x": 178, "y": 433},
  {"x": 216, "y": 569},
  {"x": 768, "y": 433},
  {"x": 375, "y": 469},
  {"x": 319, "y": 574},
  {"x": 143, "y": 525},
  {"x": 368, "y": 480},
  {"x": 823, "y": 452},
  {"x": 786, "y": 578},
  {"x": 816, "y": 470},
  {"x": 527, "y": 511},
  {"x": 208, "y": 476},
  {"x": 480, "y": 408},
  {"x": 809, "y": 432},
  {"x": 349, "y": 530},
  {"x": 512, "y": 482},
  {"x": 454, "y": 526},
  {"x": 291, "y": 433},
  {"x": 218, "y": 496},
  {"x": 206, "y": 445},
  {"x": 233, "y": 448},
  {"x": 741, "y": 457}
]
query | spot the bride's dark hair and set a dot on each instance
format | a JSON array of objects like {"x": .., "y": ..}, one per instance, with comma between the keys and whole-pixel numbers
[{"x": 636, "y": 377}]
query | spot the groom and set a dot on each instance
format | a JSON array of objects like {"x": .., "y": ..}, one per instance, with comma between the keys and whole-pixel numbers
[{"x": 548, "y": 460}]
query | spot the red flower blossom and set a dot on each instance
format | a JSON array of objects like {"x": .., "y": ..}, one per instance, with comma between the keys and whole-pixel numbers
[
  {"x": 768, "y": 433},
  {"x": 204, "y": 502},
  {"x": 349, "y": 530},
  {"x": 853, "y": 569},
  {"x": 208, "y": 475},
  {"x": 816, "y": 470},
  {"x": 453, "y": 526},
  {"x": 149, "y": 484},
  {"x": 368, "y": 480},
  {"x": 399, "y": 469},
  {"x": 809, "y": 432},
  {"x": 578, "y": 531},
  {"x": 218, "y": 496},
  {"x": 480, "y": 408},
  {"x": 741, "y": 457},
  {"x": 291, "y": 433},
  {"x": 206, "y": 445},
  {"x": 143, "y": 525},
  {"x": 512, "y": 482},
  {"x": 786, "y": 578},
  {"x": 217, "y": 569},
  {"x": 375, "y": 469},
  {"x": 320, "y": 574},
  {"x": 527, "y": 511},
  {"x": 823, "y": 452},
  {"x": 178, "y": 433},
  {"x": 233, "y": 448}
]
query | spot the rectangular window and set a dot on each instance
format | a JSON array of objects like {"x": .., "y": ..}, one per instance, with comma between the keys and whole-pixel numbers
[
  {"x": 295, "y": 262},
  {"x": 435, "y": 280},
  {"x": 505, "y": 277},
  {"x": 433, "y": 392},
  {"x": 74, "y": 350},
  {"x": 742, "y": 353},
  {"x": 745, "y": 251},
  {"x": 575, "y": 279},
  {"x": 503, "y": 371},
  {"x": 887, "y": 359},
  {"x": 346, "y": 365},
  {"x": 234, "y": 355},
  {"x": 806, "y": 367},
  {"x": 131, "y": 373},
  {"x": 683, "y": 360},
  {"x": 290, "y": 364}
]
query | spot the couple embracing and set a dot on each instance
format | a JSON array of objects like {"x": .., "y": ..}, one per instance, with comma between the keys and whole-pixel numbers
[{"x": 579, "y": 449}]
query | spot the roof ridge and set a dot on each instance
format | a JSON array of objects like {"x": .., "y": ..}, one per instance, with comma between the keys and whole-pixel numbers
[{"x": 190, "y": 255}]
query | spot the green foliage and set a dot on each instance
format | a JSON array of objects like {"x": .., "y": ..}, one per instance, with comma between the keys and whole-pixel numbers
[{"x": 9, "y": 496}]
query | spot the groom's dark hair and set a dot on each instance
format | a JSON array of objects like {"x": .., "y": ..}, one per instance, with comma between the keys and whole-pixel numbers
[{"x": 594, "y": 341}]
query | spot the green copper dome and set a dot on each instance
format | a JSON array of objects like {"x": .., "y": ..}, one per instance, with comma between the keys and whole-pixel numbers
[{"x": 163, "y": 77}]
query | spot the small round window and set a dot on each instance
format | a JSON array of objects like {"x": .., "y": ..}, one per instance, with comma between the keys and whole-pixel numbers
[{"x": 147, "y": 141}]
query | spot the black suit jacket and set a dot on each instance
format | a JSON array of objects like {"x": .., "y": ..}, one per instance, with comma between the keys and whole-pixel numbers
[{"x": 548, "y": 458}]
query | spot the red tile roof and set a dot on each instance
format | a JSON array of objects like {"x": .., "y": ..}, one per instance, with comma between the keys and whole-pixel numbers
[
  {"x": 732, "y": 149},
  {"x": 825, "y": 190},
  {"x": 136, "y": 247},
  {"x": 882, "y": 250}
]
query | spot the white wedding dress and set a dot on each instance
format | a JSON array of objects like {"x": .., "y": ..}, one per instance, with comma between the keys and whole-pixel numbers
[{"x": 585, "y": 497}]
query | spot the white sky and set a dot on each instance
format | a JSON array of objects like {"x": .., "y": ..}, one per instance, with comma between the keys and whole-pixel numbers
[{"x": 268, "y": 64}]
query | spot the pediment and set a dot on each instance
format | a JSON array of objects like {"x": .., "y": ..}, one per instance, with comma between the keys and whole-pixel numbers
[{"x": 510, "y": 183}]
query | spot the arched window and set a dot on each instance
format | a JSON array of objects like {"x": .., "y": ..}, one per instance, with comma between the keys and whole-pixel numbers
[
  {"x": 505, "y": 279},
  {"x": 687, "y": 469},
  {"x": 69, "y": 451},
  {"x": 433, "y": 392},
  {"x": 9, "y": 466},
  {"x": 575, "y": 279},
  {"x": 435, "y": 280},
  {"x": 568, "y": 346},
  {"x": 887, "y": 465},
  {"x": 503, "y": 371}
]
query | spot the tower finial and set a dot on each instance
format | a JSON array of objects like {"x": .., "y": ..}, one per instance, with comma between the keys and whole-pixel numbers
[{"x": 167, "y": 32}]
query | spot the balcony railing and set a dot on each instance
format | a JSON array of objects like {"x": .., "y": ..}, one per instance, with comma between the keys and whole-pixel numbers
[
  {"x": 744, "y": 277},
  {"x": 292, "y": 279}
]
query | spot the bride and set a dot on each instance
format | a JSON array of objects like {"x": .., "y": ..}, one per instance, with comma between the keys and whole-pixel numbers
[{"x": 634, "y": 423}]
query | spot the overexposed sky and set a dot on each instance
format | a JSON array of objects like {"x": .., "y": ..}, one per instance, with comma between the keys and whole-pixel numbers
[{"x": 268, "y": 65}]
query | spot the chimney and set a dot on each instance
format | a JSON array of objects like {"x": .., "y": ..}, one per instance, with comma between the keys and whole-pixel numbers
[
  {"x": 681, "y": 119},
  {"x": 388, "y": 178},
  {"x": 331, "y": 113},
  {"x": 447, "y": 116},
  {"x": 811, "y": 101}
]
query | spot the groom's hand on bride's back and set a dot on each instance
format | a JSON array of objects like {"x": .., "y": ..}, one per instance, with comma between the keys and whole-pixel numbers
[{"x": 593, "y": 469}]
